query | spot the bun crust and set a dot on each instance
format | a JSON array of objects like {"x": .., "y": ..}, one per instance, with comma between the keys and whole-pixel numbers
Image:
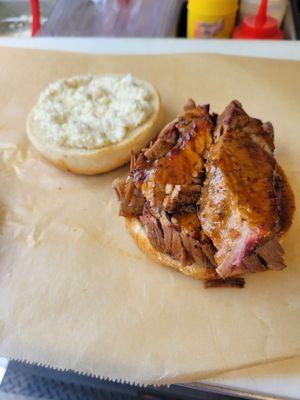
[{"x": 89, "y": 161}]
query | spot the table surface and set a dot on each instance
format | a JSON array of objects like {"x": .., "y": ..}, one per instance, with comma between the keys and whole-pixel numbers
[{"x": 275, "y": 380}]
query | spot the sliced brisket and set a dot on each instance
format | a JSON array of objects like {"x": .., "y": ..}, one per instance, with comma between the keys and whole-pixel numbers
[
  {"x": 164, "y": 142},
  {"x": 174, "y": 181},
  {"x": 154, "y": 229},
  {"x": 221, "y": 205},
  {"x": 130, "y": 196},
  {"x": 181, "y": 198},
  {"x": 238, "y": 283},
  {"x": 239, "y": 208},
  {"x": 167, "y": 236}
]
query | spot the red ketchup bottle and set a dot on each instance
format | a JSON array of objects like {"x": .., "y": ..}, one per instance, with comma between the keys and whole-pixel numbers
[{"x": 260, "y": 26}]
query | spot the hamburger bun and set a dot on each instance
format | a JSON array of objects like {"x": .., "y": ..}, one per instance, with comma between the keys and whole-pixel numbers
[{"x": 90, "y": 161}]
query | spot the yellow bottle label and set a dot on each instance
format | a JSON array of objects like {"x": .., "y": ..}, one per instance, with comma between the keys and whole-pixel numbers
[{"x": 207, "y": 26}]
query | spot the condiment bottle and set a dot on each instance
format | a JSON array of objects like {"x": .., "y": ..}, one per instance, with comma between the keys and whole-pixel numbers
[
  {"x": 260, "y": 26},
  {"x": 211, "y": 18},
  {"x": 276, "y": 9}
]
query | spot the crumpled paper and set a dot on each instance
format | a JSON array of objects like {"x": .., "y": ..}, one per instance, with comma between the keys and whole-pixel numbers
[{"x": 76, "y": 293}]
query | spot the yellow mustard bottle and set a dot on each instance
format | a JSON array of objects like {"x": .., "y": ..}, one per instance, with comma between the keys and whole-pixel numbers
[{"x": 211, "y": 18}]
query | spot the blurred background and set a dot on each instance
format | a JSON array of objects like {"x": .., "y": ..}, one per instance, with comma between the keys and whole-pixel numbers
[{"x": 144, "y": 18}]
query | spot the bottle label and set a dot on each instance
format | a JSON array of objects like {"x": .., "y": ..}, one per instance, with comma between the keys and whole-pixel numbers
[{"x": 208, "y": 29}]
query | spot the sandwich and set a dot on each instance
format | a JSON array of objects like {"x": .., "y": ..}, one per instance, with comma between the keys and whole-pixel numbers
[{"x": 208, "y": 198}]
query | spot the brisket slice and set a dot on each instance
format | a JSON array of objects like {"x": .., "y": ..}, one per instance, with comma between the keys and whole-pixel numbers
[
  {"x": 173, "y": 182},
  {"x": 181, "y": 198},
  {"x": 238, "y": 283},
  {"x": 153, "y": 229},
  {"x": 129, "y": 190},
  {"x": 130, "y": 196},
  {"x": 164, "y": 142},
  {"x": 239, "y": 206},
  {"x": 265, "y": 256},
  {"x": 174, "y": 160},
  {"x": 169, "y": 238}
]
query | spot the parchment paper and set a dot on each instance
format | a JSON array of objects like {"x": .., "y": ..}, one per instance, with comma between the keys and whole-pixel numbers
[{"x": 76, "y": 293}]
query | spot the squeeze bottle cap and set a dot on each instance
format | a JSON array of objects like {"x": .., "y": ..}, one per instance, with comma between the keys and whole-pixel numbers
[{"x": 260, "y": 26}]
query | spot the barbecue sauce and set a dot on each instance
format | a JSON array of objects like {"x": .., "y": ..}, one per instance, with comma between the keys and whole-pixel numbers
[{"x": 181, "y": 165}]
